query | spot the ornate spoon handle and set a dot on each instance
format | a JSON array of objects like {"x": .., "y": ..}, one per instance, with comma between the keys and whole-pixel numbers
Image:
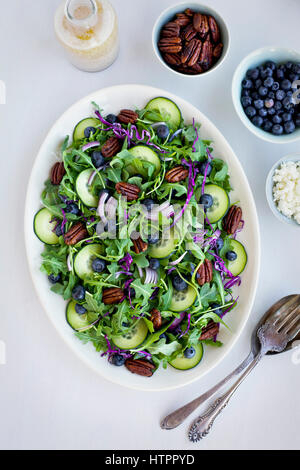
[
  {"x": 178, "y": 416},
  {"x": 202, "y": 425}
]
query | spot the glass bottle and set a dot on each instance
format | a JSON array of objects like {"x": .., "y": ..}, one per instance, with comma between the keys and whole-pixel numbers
[{"x": 88, "y": 31}]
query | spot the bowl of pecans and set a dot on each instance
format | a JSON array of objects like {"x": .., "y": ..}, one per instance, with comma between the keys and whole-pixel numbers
[{"x": 190, "y": 39}]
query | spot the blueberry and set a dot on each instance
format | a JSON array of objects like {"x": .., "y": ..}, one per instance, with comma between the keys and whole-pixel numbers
[
  {"x": 203, "y": 166},
  {"x": 59, "y": 231},
  {"x": 280, "y": 95},
  {"x": 54, "y": 279},
  {"x": 153, "y": 238},
  {"x": 297, "y": 121},
  {"x": 189, "y": 352},
  {"x": 293, "y": 77},
  {"x": 245, "y": 92},
  {"x": 287, "y": 104},
  {"x": 280, "y": 74},
  {"x": 246, "y": 101},
  {"x": 258, "y": 83},
  {"x": 97, "y": 159},
  {"x": 247, "y": 84},
  {"x": 269, "y": 103},
  {"x": 267, "y": 72},
  {"x": 162, "y": 131},
  {"x": 130, "y": 291},
  {"x": 257, "y": 121},
  {"x": 125, "y": 324},
  {"x": 254, "y": 95},
  {"x": 250, "y": 111},
  {"x": 117, "y": 360},
  {"x": 276, "y": 119},
  {"x": 289, "y": 93},
  {"x": 72, "y": 208},
  {"x": 178, "y": 283},
  {"x": 111, "y": 118},
  {"x": 216, "y": 308},
  {"x": 267, "y": 125},
  {"x": 98, "y": 265},
  {"x": 78, "y": 292},
  {"x": 289, "y": 127},
  {"x": 289, "y": 65},
  {"x": 148, "y": 203},
  {"x": 80, "y": 309},
  {"x": 277, "y": 129},
  {"x": 286, "y": 117},
  {"x": 272, "y": 111},
  {"x": 154, "y": 263},
  {"x": 88, "y": 131},
  {"x": 271, "y": 94},
  {"x": 263, "y": 91},
  {"x": 269, "y": 82},
  {"x": 263, "y": 112},
  {"x": 206, "y": 200},
  {"x": 231, "y": 255},
  {"x": 296, "y": 68},
  {"x": 219, "y": 243},
  {"x": 271, "y": 65},
  {"x": 163, "y": 336},
  {"x": 253, "y": 73},
  {"x": 275, "y": 86},
  {"x": 258, "y": 104},
  {"x": 278, "y": 105}
]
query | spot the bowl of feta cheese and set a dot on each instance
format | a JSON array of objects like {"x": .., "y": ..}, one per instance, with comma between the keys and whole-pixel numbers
[{"x": 283, "y": 189}]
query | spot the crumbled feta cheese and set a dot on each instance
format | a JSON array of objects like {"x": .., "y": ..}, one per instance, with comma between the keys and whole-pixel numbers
[{"x": 286, "y": 189}]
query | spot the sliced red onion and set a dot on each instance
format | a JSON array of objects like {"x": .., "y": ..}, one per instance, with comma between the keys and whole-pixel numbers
[
  {"x": 141, "y": 273},
  {"x": 101, "y": 207},
  {"x": 111, "y": 207},
  {"x": 177, "y": 261},
  {"x": 90, "y": 145},
  {"x": 177, "y": 321},
  {"x": 91, "y": 178},
  {"x": 89, "y": 326},
  {"x": 69, "y": 262},
  {"x": 151, "y": 276},
  {"x": 156, "y": 124},
  {"x": 175, "y": 135}
]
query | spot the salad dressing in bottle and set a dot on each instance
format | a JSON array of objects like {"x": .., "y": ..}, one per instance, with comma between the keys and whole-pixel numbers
[{"x": 88, "y": 31}]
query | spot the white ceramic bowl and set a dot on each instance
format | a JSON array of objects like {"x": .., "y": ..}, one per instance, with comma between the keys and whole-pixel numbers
[
  {"x": 293, "y": 157},
  {"x": 258, "y": 57},
  {"x": 111, "y": 100},
  {"x": 170, "y": 12}
]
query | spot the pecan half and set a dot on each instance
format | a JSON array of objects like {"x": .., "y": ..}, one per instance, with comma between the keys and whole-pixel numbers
[
  {"x": 130, "y": 191},
  {"x": 111, "y": 147},
  {"x": 188, "y": 33},
  {"x": 170, "y": 30},
  {"x": 113, "y": 295},
  {"x": 176, "y": 174},
  {"x": 191, "y": 52},
  {"x": 201, "y": 25},
  {"x": 210, "y": 331},
  {"x": 140, "y": 367},
  {"x": 170, "y": 45},
  {"x": 172, "y": 59},
  {"x": 217, "y": 51},
  {"x": 57, "y": 173},
  {"x": 214, "y": 29},
  {"x": 189, "y": 12},
  {"x": 206, "y": 55},
  {"x": 139, "y": 246},
  {"x": 182, "y": 19},
  {"x": 205, "y": 273},
  {"x": 232, "y": 220},
  {"x": 156, "y": 318},
  {"x": 75, "y": 234},
  {"x": 127, "y": 116}
]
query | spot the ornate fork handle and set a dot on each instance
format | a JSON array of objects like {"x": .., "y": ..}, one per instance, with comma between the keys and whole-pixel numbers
[{"x": 202, "y": 425}]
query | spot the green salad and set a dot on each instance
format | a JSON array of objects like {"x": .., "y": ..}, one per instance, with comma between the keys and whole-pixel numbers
[{"x": 139, "y": 237}]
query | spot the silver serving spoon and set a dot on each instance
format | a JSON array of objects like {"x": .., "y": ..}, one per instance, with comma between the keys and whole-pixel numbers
[
  {"x": 280, "y": 328},
  {"x": 178, "y": 416}
]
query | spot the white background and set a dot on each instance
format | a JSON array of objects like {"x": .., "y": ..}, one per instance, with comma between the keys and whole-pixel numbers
[{"x": 50, "y": 400}]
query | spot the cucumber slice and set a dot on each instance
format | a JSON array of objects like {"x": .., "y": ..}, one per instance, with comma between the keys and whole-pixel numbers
[
  {"x": 166, "y": 108},
  {"x": 43, "y": 227},
  {"x": 220, "y": 202},
  {"x": 83, "y": 190},
  {"x": 76, "y": 321},
  {"x": 78, "y": 133},
  {"x": 239, "y": 264},
  {"x": 143, "y": 154},
  {"x": 133, "y": 338},
  {"x": 83, "y": 260},
  {"x": 163, "y": 248},
  {"x": 182, "y": 363},
  {"x": 181, "y": 300}
]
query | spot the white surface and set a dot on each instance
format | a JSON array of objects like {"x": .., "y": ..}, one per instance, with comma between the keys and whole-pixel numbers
[
  {"x": 49, "y": 399},
  {"x": 111, "y": 100}
]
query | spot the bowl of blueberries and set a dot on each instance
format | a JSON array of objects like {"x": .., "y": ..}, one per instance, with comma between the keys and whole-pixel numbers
[{"x": 266, "y": 94}]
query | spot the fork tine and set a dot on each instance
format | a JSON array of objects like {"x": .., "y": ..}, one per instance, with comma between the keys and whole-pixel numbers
[
  {"x": 286, "y": 308},
  {"x": 288, "y": 317},
  {"x": 293, "y": 329},
  {"x": 290, "y": 324}
]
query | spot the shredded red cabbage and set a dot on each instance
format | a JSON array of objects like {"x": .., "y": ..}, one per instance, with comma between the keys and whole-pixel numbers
[
  {"x": 64, "y": 221},
  {"x": 191, "y": 184},
  {"x": 110, "y": 351},
  {"x": 126, "y": 261},
  {"x": 188, "y": 326}
]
